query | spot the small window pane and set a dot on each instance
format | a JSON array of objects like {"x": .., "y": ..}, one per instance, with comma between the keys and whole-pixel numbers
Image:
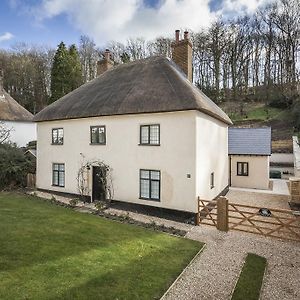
[
  {"x": 55, "y": 178},
  {"x": 144, "y": 134},
  {"x": 60, "y": 136},
  {"x": 101, "y": 135},
  {"x": 61, "y": 167},
  {"x": 145, "y": 184},
  {"x": 155, "y": 189},
  {"x": 55, "y": 167},
  {"x": 155, "y": 175},
  {"x": 94, "y": 135},
  {"x": 245, "y": 169},
  {"x": 54, "y": 136},
  {"x": 154, "y": 134},
  {"x": 239, "y": 168},
  {"x": 145, "y": 174},
  {"x": 62, "y": 179}
]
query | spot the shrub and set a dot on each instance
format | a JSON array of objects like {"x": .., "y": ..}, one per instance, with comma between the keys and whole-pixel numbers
[{"x": 14, "y": 166}]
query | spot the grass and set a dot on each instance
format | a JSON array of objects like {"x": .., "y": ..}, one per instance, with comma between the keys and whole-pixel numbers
[
  {"x": 250, "y": 281},
  {"x": 262, "y": 113},
  {"x": 50, "y": 252}
]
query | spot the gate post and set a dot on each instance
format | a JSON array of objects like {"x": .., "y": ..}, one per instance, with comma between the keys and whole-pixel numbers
[
  {"x": 222, "y": 214},
  {"x": 197, "y": 216}
]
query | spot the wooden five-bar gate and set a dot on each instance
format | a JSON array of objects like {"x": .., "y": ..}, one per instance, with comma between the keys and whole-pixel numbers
[{"x": 271, "y": 222}]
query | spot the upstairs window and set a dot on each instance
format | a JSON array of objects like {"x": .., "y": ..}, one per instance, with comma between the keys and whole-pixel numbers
[
  {"x": 242, "y": 169},
  {"x": 57, "y": 136},
  {"x": 98, "y": 135},
  {"x": 58, "y": 174},
  {"x": 150, "y": 184},
  {"x": 150, "y": 134}
]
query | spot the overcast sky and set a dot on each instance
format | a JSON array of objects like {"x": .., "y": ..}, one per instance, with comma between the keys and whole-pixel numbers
[{"x": 51, "y": 21}]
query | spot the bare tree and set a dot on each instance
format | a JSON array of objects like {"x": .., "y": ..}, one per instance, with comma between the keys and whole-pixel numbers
[
  {"x": 4, "y": 133},
  {"x": 88, "y": 55}
]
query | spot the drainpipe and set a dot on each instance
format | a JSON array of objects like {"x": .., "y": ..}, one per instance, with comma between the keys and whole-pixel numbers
[{"x": 229, "y": 170}]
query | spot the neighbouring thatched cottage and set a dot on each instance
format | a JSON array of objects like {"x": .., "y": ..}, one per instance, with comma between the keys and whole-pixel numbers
[
  {"x": 249, "y": 157},
  {"x": 16, "y": 118},
  {"x": 165, "y": 141}
]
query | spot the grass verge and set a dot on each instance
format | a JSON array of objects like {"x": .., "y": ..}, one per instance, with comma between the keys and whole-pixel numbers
[
  {"x": 250, "y": 281},
  {"x": 50, "y": 252}
]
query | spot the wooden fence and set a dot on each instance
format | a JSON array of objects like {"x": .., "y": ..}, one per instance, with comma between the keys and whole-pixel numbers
[
  {"x": 279, "y": 223},
  {"x": 31, "y": 178}
]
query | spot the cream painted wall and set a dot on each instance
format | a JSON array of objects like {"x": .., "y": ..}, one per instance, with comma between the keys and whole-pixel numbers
[
  {"x": 22, "y": 132},
  {"x": 258, "y": 172},
  {"x": 212, "y": 156},
  {"x": 175, "y": 157}
]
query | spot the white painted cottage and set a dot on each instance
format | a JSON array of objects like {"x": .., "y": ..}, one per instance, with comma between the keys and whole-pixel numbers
[
  {"x": 166, "y": 142},
  {"x": 16, "y": 118}
]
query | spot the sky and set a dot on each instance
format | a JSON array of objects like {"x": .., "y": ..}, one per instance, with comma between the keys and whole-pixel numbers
[{"x": 49, "y": 22}]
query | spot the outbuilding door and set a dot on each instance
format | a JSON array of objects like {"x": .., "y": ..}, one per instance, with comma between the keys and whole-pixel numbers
[{"x": 99, "y": 192}]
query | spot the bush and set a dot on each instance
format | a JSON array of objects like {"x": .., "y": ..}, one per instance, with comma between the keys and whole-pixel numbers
[
  {"x": 14, "y": 166},
  {"x": 275, "y": 174}
]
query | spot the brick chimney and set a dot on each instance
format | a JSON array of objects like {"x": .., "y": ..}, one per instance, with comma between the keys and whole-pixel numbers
[
  {"x": 105, "y": 64},
  {"x": 182, "y": 54}
]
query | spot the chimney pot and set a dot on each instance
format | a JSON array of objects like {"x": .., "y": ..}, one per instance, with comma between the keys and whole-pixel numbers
[
  {"x": 177, "y": 35},
  {"x": 186, "y": 35}
]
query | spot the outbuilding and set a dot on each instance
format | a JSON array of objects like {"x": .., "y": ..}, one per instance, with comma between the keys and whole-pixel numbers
[{"x": 249, "y": 152}]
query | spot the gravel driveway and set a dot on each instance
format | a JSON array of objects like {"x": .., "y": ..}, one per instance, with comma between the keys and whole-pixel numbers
[
  {"x": 258, "y": 199},
  {"x": 214, "y": 273}
]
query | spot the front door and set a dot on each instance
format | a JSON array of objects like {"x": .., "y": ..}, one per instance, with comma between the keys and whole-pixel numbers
[{"x": 99, "y": 176}]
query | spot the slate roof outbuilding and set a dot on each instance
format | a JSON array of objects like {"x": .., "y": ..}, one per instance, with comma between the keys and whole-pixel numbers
[{"x": 249, "y": 141}]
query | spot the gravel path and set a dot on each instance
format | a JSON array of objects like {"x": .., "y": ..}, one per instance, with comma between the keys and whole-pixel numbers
[
  {"x": 214, "y": 272},
  {"x": 279, "y": 187},
  {"x": 258, "y": 199}
]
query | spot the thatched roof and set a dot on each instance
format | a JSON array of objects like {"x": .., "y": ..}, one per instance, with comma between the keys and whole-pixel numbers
[
  {"x": 11, "y": 110},
  {"x": 150, "y": 85}
]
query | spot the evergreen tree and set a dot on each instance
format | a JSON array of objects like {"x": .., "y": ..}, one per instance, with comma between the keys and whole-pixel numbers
[
  {"x": 66, "y": 71},
  {"x": 74, "y": 66},
  {"x": 59, "y": 73}
]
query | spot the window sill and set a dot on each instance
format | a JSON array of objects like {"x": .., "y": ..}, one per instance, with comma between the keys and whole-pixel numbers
[
  {"x": 98, "y": 144},
  {"x": 54, "y": 144},
  {"x": 242, "y": 175},
  {"x": 148, "y": 199},
  {"x": 59, "y": 186},
  {"x": 149, "y": 144}
]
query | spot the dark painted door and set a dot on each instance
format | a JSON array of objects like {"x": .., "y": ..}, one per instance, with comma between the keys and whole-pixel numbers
[{"x": 99, "y": 174}]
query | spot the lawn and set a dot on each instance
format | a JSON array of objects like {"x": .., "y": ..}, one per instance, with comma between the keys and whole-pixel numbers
[
  {"x": 51, "y": 252},
  {"x": 250, "y": 281}
]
